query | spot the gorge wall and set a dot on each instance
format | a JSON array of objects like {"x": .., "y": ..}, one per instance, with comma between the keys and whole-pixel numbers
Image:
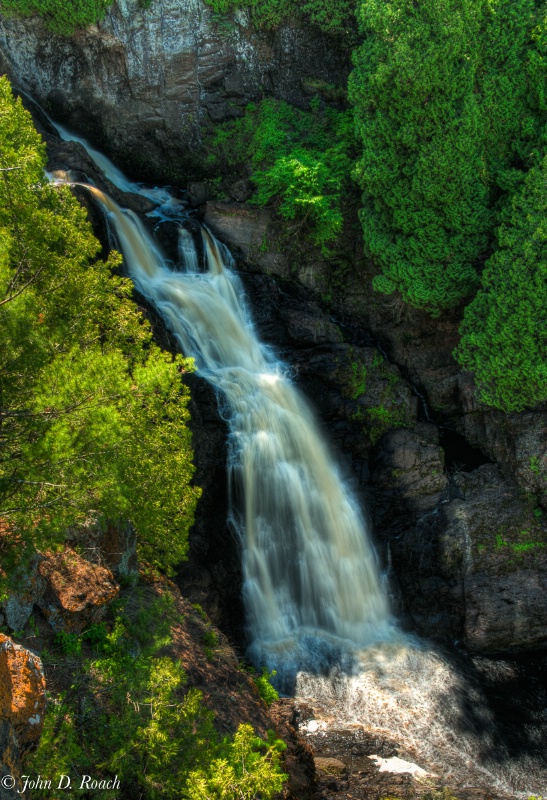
[{"x": 146, "y": 84}]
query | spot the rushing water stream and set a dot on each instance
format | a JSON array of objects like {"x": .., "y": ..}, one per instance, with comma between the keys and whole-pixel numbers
[{"x": 312, "y": 591}]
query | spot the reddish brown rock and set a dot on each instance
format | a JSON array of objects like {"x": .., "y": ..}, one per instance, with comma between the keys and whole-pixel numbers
[
  {"x": 22, "y": 691},
  {"x": 76, "y": 591}
]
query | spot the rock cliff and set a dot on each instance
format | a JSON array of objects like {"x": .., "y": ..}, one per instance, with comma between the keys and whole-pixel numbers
[{"x": 147, "y": 84}]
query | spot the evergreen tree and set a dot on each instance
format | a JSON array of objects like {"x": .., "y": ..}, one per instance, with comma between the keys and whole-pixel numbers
[
  {"x": 504, "y": 332},
  {"x": 449, "y": 104},
  {"x": 92, "y": 413},
  {"x": 425, "y": 209}
]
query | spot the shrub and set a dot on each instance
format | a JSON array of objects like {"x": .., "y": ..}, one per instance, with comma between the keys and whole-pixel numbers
[
  {"x": 60, "y": 16},
  {"x": 301, "y": 162},
  {"x": 128, "y": 714},
  {"x": 265, "y": 689}
]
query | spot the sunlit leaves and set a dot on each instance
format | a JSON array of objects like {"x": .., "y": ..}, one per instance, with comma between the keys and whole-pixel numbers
[{"x": 92, "y": 413}]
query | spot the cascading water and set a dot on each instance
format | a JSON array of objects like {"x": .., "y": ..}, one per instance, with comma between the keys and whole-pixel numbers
[{"x": 310, "y": 577}]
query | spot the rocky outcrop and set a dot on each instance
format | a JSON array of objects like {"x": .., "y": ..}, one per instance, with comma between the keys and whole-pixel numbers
[
  {"x": 22, "y": 691},
  {"x": 69, "y": 589},
  {"x": 298, "y": 757},
  {"x": 146, "y": 83},
  {"x": 474, "y": 568},
  {"x": 30, "y": 586},
  {"x": 76, "y": 591},
  {"x": 409, "y": 467},
  {"x": 421, "y": 346},
  {"x": 517, "y": 442},
  {"x": 22, "y": 709}
]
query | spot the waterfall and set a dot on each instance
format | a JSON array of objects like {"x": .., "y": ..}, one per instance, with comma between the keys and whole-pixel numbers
[{"x": 310, "y": 575}]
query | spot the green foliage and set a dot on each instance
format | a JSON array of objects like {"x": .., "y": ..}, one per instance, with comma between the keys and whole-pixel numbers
[
  {"x": 449, "y": 98},
  {"x": 335, "y": 18},
  {"x": 301, "y": 161},
  {"x": 60, "y": 16},
  {"x": 504, "y": 336},
  {"x": 69, "y": 643},
  {"x": 382, "y": 419},
  {"x": 210, "y": 643},
  {"x": 425, "y": 209},
  {"x": 263, "y": 683},
  {"x": 246, "y": 769},
  {"x": 130, "y": 716},
  {"x": 92, "y": 413},
  {"x": 358, "y": 380}
]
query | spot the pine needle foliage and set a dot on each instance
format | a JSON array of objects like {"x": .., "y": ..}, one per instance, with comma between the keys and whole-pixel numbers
[
  {"x": 425, "y": 209},
  {"x": 504, "y": 331},
  {"x": 60, "y": 16},
  {"x": 449, "y": 104},
  {"x": 92, "y": 413},
  {"x": 130, "y": 715}
]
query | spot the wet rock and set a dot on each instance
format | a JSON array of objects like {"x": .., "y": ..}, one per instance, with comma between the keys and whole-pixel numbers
[
  {"x": 298, "y": 757},
  {"x": 310, "y": 327},
  {"x": 409, "y": 466},
  {"x": 197, "y": 193},
  {"x": 331, "y": 766},
  {"x": 22, "y": 691},
  {"x": 247, "y": 230},
  {"x": 240, "y": 191},
  {"x": 77, "y": 591},
  {"x": 517, "y": 442},
  {"x": 212, "y": 574}
]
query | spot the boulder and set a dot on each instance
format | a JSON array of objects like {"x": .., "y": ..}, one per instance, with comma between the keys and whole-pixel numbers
[
  {"x": 248, "y": 230},
  {"x": 22, "y": 692},
  {"x": 76, "y": 593},
  {"x": 332, "y": 766},
  {"x": 20, "y": 602},
  {"x": 517, "y": 442},
  {"x": 409, "y": 467},
  {"x": 108, "y": 544}
]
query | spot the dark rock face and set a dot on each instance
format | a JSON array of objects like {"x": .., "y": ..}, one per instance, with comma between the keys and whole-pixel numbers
[
  {"x": 517, "y": 442},
  {"x": 409, "y": 466},
  {"x": 474, "y": 568},
  {"x": 355, "y": 392},
  {"x": 145, "y": 84},
  {"x": 212, "y": 575}
]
